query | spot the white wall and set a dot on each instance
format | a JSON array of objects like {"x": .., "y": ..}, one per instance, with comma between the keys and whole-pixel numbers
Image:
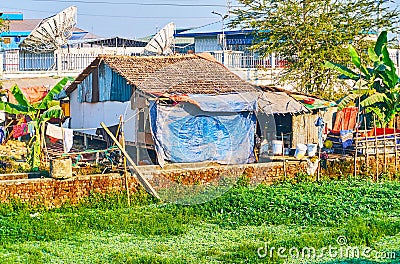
[{"x": 89, "y": 115}]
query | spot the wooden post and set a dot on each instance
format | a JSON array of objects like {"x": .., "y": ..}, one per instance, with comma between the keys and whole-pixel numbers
[
  {"x": 121, "y": 121},
  {"x": 283, "y": 156},
  {"x": 139, "y": 176},
  {"x": 63, "y": 138},
  {"x": 85, "y": 141},
  {"x": 395, "y": 144},
  {"x": 366, "y": 141},
  {"x": 355, "y": 154},
  {"x": 376, "y": 151},
  {"x": 42, "y": 140},
  {"x": 384, "y": 149}
]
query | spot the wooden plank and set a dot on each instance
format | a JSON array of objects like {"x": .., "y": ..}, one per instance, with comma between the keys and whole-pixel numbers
[{"x": 139, "y": 176}]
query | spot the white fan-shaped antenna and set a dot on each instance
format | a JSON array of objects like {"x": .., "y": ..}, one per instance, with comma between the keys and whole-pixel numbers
[
  {"x": 52, "y": 32},
  {"x": 161, "y": 43}
]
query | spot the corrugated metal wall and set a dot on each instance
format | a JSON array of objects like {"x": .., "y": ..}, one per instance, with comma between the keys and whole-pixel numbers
[
  {"x": 111, "y": 86},
  {"x": 120, "y": 90}
]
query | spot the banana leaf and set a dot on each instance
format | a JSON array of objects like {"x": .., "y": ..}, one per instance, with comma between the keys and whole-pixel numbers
[
  {"x": 357, "y": 60},
  {"x": 392, "y": 68},
  {"x": 342, "y": 69},
  {"x": 373, "y": 99},
  {"x": 54, "y": 91},
  {"x": 13, "y": 108},
  {"x": 381, "y": 41},
  {"x": 19, "y": 96},
  {"x": 377, "y": 111},
  {"x": 346, "y": 100},
  {"x": 372, "y": 55},
  {"x": 52, "y": 112}
]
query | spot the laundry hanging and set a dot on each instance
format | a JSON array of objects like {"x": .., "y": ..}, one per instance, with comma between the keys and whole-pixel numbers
[
  {"x": 2, "y": 135},
  {"x": 346, "y": 137},
  {"x": 67, "y": 135},
  {"x": 31, "y": 128},
  {"x": 20, "y": 130},
  {"x": 68, "y": 139},
  {"x": 54, "y": 131}
]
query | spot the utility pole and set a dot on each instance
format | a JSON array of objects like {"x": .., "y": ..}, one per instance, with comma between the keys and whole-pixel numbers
[
  {"x": 223, "y": 42},
  {"x": 228, "y": 7}
]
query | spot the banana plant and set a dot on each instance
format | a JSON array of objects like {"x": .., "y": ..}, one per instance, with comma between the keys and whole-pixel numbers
[
  {"x": 39, "y": 113},
  {"x": 376, "y": 88}
]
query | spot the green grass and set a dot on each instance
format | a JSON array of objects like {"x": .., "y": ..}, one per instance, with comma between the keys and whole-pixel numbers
[{"x": 229, "y": 229}]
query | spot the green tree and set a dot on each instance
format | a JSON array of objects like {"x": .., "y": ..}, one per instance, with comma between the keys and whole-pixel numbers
[
  {"x": 4, "y": 25},
  {"x": 39, "y": 113},
  {"x": 308, "y": 32},
  {"x": 377, "y": 86}
]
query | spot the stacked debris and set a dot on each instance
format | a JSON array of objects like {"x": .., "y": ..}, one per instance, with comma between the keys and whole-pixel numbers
[{"x": 14, "y": 149}]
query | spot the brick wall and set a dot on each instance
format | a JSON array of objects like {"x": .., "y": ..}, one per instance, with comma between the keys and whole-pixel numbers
[{"x": 54, "y": 192}]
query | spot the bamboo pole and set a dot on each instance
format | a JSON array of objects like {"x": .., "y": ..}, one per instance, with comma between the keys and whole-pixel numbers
[
  {"x": 366, "y": 142},
  {"x": 376, "y": 151},
  {"x": 121, "y": 121},
  {"x": 135, "y": 169},
  {"x": 283, "y": 156},
  {"x": 395, "y": 144},
  {"x": 355, "y": 154},
  {"x": 384, "y": 149}
]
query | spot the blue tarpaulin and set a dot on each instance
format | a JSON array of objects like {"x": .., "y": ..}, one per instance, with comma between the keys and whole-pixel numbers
[{"x": 186, "y": 133}]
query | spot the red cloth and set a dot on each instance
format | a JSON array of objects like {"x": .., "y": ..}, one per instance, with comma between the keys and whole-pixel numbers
[
  {"x": 346, "y": 119},
  {"x": 53, "y": 140},
  {"x": 20, "y": 130}
]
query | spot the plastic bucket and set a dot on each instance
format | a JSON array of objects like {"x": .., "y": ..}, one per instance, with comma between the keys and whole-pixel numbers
[
  {"x": 277, "y": 147},
  {"x": 300, "y": 152},
  {"x": 311, "y": 150}
]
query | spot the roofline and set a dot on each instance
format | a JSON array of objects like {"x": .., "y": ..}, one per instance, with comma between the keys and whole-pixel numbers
[
  {"x": 214, "y": 33},
  {"x": 86, "y": 72}
]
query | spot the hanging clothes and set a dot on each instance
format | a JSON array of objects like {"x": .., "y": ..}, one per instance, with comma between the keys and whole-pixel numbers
[
  {"x": 2, "y": 135},
  {"x": 106, "y": 137},
  {"x": 346, "y": 137},
  {"x": 31, "y": 128},
  {"x": 68, "y": 139},
  {"x": 54, "y": 131},
  {"x": 20, "y": 130},
  {"x": 320, "y": 123}
]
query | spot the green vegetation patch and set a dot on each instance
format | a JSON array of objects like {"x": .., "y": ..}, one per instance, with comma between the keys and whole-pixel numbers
[{"x": 229, "y": 229}]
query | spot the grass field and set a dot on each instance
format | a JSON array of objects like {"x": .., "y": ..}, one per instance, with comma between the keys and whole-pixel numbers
[{"x": 234, "y": 228}]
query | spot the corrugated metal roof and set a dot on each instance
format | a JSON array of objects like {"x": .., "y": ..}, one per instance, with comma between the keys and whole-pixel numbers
[{"x": 279, "y": 103}]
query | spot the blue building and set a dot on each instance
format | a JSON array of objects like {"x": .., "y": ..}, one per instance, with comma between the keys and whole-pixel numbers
[
  {"x": 20, "y": 28},
  {"x": 209, "y": 41}
]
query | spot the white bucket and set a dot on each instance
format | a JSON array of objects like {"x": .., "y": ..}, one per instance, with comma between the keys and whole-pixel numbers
[
  {"x": 264, "y": 148},
  {"x": 277, "y": 147},
  {"x": 300, "y": 152},
  {"x": 311, "y": 150}
]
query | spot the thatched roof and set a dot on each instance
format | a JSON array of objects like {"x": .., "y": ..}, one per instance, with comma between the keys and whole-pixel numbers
[{"x": 194, "y": 73}]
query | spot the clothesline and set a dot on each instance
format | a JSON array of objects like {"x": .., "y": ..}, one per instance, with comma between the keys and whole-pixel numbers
[{"x": 95, "y": 128}]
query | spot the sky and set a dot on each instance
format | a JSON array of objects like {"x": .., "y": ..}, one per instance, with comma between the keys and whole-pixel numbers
[
  {"x": 128, "y": 18},
  {"x": 125, "y": 18}
]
